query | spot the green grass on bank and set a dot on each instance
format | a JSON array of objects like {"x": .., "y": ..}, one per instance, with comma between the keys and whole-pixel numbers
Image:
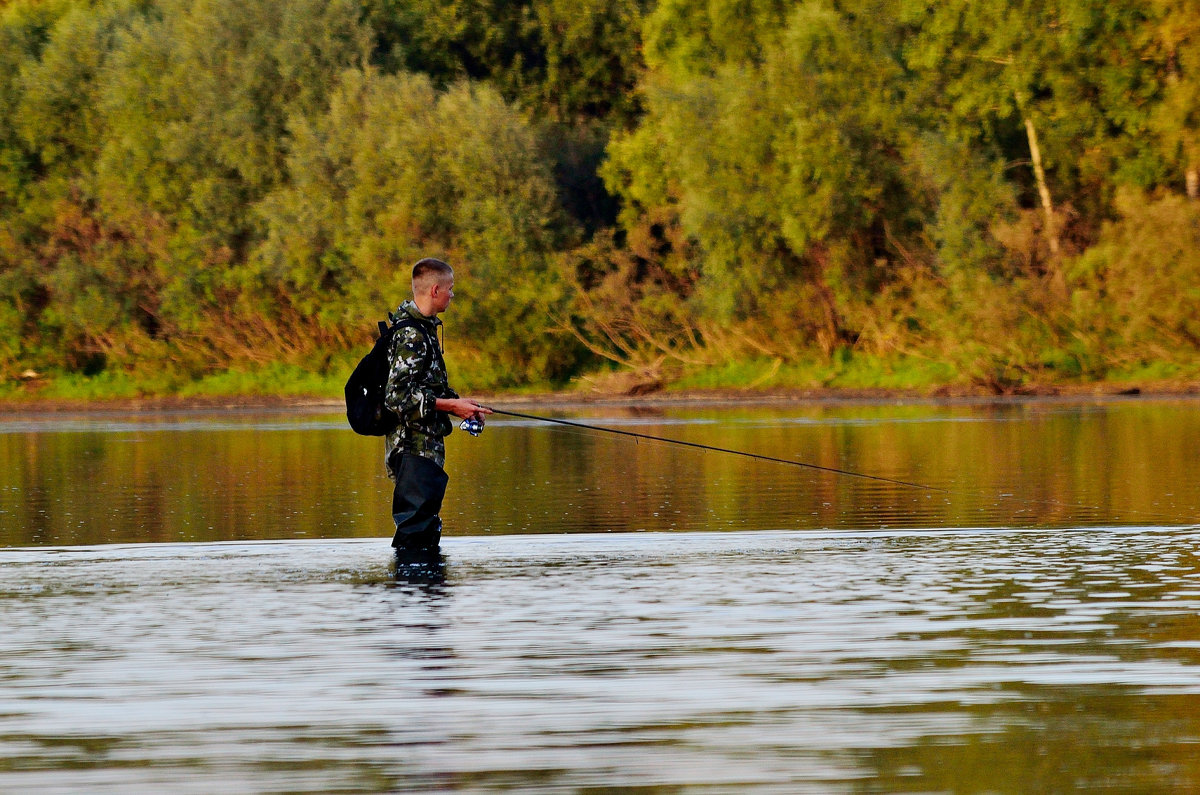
[
  {"x": 274, "y": 380},
  {"x": 843, "y": 371},
  {"x": 857, "y": 371},
  {"x": 326, "y": 381}
]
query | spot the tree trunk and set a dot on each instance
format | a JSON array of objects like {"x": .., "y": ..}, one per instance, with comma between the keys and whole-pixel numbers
[
  {"x": 1039, "y": 173},
  {"x": 1191, "y": 178}
]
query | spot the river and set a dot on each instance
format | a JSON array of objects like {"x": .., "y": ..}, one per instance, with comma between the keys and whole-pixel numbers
[{"x": 204, "y": 601}]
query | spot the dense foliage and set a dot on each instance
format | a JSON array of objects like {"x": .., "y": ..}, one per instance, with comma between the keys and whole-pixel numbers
[{"x": 1009, "y": 189}]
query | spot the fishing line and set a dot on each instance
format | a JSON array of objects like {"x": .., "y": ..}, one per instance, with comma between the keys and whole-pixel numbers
[
  {"x": 807, "y": 465},
  {"x": 698, "y": 446}
]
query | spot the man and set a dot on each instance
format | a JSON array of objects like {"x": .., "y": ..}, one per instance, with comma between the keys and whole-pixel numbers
[{"x": 418, "y": 390}]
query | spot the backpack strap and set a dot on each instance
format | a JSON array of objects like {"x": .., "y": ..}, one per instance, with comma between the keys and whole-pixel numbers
[
  {"x": 399, "y": 323},
  {"x": 408, "y": 322}
]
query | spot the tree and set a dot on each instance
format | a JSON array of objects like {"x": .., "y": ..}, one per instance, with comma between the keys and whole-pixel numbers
[
  {"x": 570, "y": 61},
  {"x": 49, "y": 132},
  {"x": 196, "y": 101},
  {"x": 397, "y": 170},
  {"x": 1057, "y": 79},
  {"x": 199, "y": 99},
  {"x": 1176, "y": 120},
  {"x": 781, "y": 148}
]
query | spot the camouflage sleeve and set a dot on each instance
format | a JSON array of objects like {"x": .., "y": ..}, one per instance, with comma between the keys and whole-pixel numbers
[{"x": 409, "y": 392}]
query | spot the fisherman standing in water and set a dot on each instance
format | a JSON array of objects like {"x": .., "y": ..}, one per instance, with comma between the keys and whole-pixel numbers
[{"x": 418, "y": 391}]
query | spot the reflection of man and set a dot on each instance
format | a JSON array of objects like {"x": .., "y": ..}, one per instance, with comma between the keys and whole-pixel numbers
[{"x": 418, "y": 390}]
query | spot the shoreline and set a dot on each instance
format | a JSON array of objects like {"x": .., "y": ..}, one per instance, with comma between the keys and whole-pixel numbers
[{"x": 579, "y": 399}]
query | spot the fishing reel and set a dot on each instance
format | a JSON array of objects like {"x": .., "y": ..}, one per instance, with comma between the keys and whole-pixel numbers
[{"x": 472, "y": 426}]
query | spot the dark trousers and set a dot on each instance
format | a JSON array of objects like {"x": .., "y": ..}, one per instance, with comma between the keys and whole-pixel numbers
[{"x": 420, "y": 486}]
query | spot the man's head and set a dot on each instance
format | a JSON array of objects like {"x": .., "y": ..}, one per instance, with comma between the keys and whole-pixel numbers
[{"x": 432, "y": 286}]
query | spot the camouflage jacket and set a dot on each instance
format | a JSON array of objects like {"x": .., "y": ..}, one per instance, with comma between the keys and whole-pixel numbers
[{"x": 416, "y": 380}]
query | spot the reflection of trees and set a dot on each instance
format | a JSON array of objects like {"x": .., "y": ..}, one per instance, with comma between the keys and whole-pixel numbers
[
  {"x": 1063, "y": 465},
  {"x": 1082, "y": 653},
  {"x": 1047, "y": 741},
  {"x": 1019, "y": 464},
  {"x": 190, "y": 485}
]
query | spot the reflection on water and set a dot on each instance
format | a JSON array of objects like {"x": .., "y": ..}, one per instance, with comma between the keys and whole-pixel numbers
[
  {"x": 1004, "y": 661},
  {"x": 1036, "y": 628},
  {"x": 219, "y": 477},
  {"x": 419, "y": 567}
]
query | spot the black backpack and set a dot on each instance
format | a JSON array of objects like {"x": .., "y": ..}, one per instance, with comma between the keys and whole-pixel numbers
[{"x": 364, "y": 390}]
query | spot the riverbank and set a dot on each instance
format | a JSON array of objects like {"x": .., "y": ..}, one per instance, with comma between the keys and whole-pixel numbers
[
  {"x": 319, "y": 385},
  {"x": 577, "y": 398}
]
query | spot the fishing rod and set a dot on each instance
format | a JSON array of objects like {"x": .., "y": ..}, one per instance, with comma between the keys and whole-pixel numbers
[
  {"x": 789, "y": 462},
  {"x": 730, "y": 451}
]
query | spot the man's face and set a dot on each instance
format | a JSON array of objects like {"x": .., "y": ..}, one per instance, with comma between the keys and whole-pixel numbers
[{"x": 442, "y": 293}]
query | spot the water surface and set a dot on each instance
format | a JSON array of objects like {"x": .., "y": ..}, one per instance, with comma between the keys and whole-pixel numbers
[
  {"x": 607, "y": 614},
  {"x": 221, "y": 476}
]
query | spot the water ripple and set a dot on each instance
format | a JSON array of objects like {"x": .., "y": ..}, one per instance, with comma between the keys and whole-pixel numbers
[{"x": 774, "y": 661}]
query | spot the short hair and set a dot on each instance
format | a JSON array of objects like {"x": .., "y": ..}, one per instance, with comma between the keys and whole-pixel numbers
[{"x": 427, "y": 270}]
